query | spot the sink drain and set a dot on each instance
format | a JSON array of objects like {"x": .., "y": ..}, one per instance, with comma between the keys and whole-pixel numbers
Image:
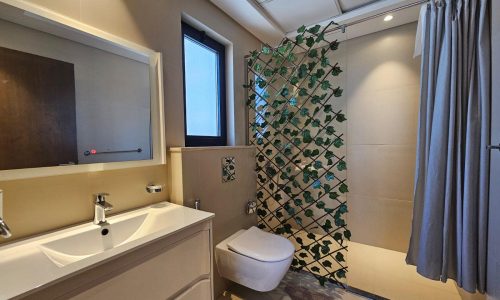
[{"x": 105, "y": 231}]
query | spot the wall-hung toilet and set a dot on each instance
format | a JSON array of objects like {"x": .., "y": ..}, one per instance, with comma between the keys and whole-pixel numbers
[{"x": 254, "y": 258}]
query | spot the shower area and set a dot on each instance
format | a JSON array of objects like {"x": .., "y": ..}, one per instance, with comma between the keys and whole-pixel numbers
[{"x": 333, "y": 115}]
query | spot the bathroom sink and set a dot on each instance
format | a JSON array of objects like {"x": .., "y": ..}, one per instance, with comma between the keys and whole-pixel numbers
[
  {"x": 92, "y": 241},
  {"x": 61, "y": 253}
]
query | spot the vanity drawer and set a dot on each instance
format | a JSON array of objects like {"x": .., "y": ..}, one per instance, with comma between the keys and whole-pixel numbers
[
  {"x": 161, "y": 276},
  {"x": 199, "y": 291}
]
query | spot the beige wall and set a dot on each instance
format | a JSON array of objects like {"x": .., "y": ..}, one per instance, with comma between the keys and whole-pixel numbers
[
  {"x": 36, "y": 205},
  {"x": 382, "y": 90},
  {"x": 197, "y": 173},
  {"x": 493, "y": 284}
]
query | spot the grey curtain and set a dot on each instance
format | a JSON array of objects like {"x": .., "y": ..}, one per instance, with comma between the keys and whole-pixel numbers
[{"x": 449, "y": 228}]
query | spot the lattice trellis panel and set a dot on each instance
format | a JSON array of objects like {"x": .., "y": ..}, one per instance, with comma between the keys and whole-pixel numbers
[{"x": 293, "y": 89}]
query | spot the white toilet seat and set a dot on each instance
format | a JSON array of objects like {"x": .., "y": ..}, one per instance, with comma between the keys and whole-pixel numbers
[
  {"x": 261, "y": 245},
  {"x": 254, "y": 258}
]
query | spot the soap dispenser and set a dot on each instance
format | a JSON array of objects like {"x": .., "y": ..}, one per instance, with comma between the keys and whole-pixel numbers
[{"x": 4, "y": 229}]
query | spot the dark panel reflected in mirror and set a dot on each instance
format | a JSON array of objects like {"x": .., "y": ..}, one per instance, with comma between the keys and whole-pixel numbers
[
  {"x": 37, "y": 111},
  {"x": 65, "y": 103}
]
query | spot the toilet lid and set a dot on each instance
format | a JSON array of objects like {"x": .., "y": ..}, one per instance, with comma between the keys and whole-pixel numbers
[{"x": 263, "y": 246}]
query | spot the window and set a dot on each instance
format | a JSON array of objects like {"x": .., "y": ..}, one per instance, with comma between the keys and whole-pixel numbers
[{"x": 204, "y": 89}]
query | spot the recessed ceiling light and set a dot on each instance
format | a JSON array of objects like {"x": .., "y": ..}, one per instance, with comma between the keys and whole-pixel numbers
[{"x": 388, "y": 18}]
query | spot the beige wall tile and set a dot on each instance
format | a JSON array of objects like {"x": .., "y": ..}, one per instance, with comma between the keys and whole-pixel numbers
[
  {"x": 383, "y": 60},
  {"x": 380, "y": 222},
  {"x": 383, "y": 117},
  {"x": 381, "y": 171}
]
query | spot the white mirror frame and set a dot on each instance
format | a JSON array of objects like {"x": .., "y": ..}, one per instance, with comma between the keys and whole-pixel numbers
[{"x": 39, "y": 18}]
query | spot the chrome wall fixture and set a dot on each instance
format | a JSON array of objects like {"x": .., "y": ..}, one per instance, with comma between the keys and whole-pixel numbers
[{"x": 154, "y": 188}]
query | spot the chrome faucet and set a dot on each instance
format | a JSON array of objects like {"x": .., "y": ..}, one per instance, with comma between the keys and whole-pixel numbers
[
  {"x": 101, "y": 207},
  {"x": 4, "y": 229}
]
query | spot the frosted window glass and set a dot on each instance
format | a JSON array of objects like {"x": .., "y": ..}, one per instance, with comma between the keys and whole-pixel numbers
[{"x": 202, "y": 95}]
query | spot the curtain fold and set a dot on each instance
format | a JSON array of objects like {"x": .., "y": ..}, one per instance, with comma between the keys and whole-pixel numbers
[{"x": 449, "y": 227}]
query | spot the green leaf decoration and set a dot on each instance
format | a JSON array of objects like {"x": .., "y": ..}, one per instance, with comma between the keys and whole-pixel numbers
[
  {"x": 329, "y": 176},
  {"x": 338, "y": 142},
  {"x": 343, "y": 208},
  {"x": 340, "y": 118},
  {"x": 313, "y": 53},
  {"x": 294, "y": 125},
  {"x": 325, "y": 62},
  {"x": 338, "y": 237},
  {"x": 333, "y": 45},
  {"x": 297, "y": 202},
  {"x": 325, "y": 85},
  {"x": 299, "y": 39},
  {"x": 314, "y": 29},
  {"x": 311, "y": 66},
  {"x": 316, "y": 184},
  {"x": 333, "y": 196},
  {"x": 341, "y": 166},
  {"x": 279, "y": 161},
  {"x": 327, "y": 226},
  {"x": 308, "y": 197},
  {"x": 303, "y": 92},
  {"x": 343, "y": 188},
  {"x": 283, "y": 71},
  {"x": 339, "y": 257},
  {"x": 310, "y": 41},
  {"x": 336, "y": 71},
  {"x": 320, "y": 204},
  {"x": 304, "y": 111},
  {"x": 306, "y": 136},
  {"x": 338, "y": 92},
  {"x": 322, "y": 280},
  {"x": 320, "y": 37},
  {"x": 340, "y": 273},
  {"x": 327, "y": 264},
  {"x": 330, "y": 130}
]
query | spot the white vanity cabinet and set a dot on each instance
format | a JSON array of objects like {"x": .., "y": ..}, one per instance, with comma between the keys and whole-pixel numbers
[
  {"x": 167, "y": 254},
  {"x": 180, "y": 271}
]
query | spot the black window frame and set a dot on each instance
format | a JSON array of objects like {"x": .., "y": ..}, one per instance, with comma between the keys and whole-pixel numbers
[{"x": 202, "y": 38}]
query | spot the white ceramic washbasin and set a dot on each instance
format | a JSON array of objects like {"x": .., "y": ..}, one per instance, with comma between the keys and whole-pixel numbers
[
  {"x": 93, "y": 241},
  {"x": 70, "y": 250}
]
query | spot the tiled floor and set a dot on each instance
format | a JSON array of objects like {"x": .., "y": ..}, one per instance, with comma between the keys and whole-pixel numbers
[{"x": 295, "y": 286}]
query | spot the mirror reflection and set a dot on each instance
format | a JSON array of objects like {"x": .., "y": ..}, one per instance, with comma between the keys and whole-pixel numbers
[{"x": 66, "y": 103}]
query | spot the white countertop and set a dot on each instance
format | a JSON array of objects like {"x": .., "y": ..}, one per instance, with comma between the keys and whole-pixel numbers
[{"x": 24, "y": 266}]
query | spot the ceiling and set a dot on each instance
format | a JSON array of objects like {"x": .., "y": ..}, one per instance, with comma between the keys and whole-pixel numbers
[
  {"x": 291, "y": 14},
  {"x": 271, "y": 20}
]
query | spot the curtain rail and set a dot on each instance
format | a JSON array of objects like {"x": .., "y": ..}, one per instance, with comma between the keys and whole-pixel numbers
[{"x": 344, "y": 26}]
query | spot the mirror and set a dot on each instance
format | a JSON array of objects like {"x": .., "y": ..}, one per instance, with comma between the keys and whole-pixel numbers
[{"x": 68, "y": 98}]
